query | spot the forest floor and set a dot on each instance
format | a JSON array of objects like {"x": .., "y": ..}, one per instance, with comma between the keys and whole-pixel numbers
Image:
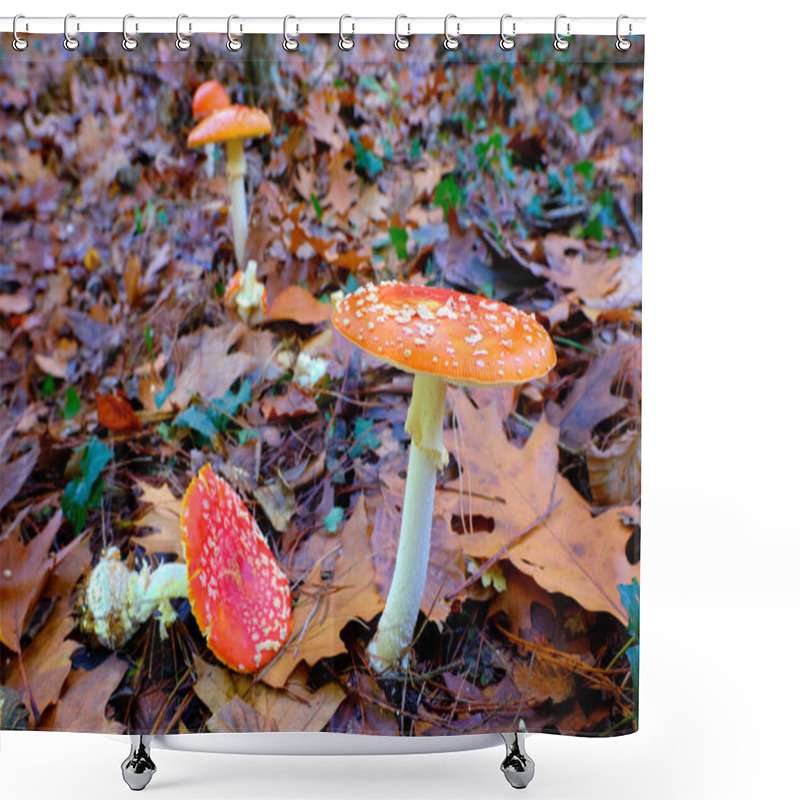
[{"x": 510, "y": 176}]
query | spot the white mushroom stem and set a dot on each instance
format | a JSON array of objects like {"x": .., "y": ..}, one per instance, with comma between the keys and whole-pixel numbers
[
  {"x": 118, "y": 600},
  {"x": 209, "y": 150},
  {"x": 153, "y": 591},
  {"x": 388, "y": 649},
  {"x": 235, "y": 171}
]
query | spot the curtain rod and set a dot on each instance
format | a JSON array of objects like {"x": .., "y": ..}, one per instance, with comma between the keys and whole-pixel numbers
[{"x": 461, "y": 26}]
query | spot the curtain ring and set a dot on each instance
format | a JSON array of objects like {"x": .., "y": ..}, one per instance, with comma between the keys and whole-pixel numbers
[
  {"x": 19, "y": 44},
  {"x": 289, "y": 44},
  {"x": 560, "y": 43},
  {"x": 346, "y": 42},
  {"x": 623, "y": 43},
  {"x": 128, "y": 42},
  {"x": 234, "y": 44},
  {"x": 181, "y": 42},
  {"x": 451, "y": 42},
  {"x": 507, "y": 42},
  {"x": 401, "y": 42},
  {"x": 70, "y": 42}
]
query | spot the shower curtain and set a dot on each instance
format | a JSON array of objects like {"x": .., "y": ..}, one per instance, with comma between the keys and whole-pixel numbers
[{"x": 205, "y": 471}]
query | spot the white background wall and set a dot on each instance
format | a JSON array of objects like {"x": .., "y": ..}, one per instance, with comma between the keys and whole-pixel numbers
[{"x": 721, "y": 559}]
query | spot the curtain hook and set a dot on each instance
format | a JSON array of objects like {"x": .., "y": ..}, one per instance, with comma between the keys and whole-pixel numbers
[
  {"x": 70, "y": 42},
  {"x": 181, "y": 42},
  {"x": 19, "y": 44},
  {"x": 234, "y": 44},
  {"x": 560, "y": 43},
  {"x": 507, "y": 42},
  {"x": 401, "y": 42},
  {"x": 289, "y": 44},
  {"x": 623, "y": 43},
  {"x": 451, "y": 42},
  {"x": 128, "y": 42},
  {"x": 346, "y": 42}
]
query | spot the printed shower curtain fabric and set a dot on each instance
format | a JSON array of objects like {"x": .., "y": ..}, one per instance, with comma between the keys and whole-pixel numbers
[{"x": 320, "y": 386}]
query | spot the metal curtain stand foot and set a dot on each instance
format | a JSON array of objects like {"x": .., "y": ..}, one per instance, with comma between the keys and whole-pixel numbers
[
  {"x": 138, "y": 768},
  {"x": 517, "y": 766}
]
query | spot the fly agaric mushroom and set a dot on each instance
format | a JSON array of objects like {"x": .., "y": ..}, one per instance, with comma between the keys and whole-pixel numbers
[
  {"x": 117, "y": 600},
  {"x": 248, "y": 295},
  {"x": 239, "y": 594},
  {"x": 233, "y": 125},
  {"x": 442, "y": 337},
  {"x": 208, "y": 98}
]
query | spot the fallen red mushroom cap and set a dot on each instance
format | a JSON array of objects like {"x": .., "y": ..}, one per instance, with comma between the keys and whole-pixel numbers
[
  {"x": 209, "y": 97},
  {"x": 240, "y": 596}
]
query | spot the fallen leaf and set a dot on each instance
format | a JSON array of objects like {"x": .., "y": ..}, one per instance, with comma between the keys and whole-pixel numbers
[
  {"x": 461, "y": 688},
  {"x": 237, "y": 716},
  {"x": 298, "y": 305},
  {"x": 82, "y": 707},
  {"x": 305, "y": 472},
  {"x": 207, "y": 367},
  {"x": 278, "y": 502},
  {"x": 164, "y": 515},
  {"x": 615, "y": 472},
  {"x": 71, "y": 564},
  {"x": 628, "y": 290},
  {"x": 47, "y": 659},
  {"x": 294, "y": 402},
  {"x": 115, "y": 413},
  {"x": 570, "y": 551},
  {"x": 342, "y": 192},
  {"x": 322, "y": 115},
  {"x": 590, "y": 400},
  {"x": 541, "y": 680},
  {"x": 13, "y": 475},
  {"x": 325, "y": 606},
  {"x": 19, "y": 303},
  {"x": 89, "y": 332},
  {"x": 92, "y": 259},
  {"x": 238, "y": 699},
  {"x": 24, "y": 570},
  {"x": 570, "y": 267},
  {"x": 132, "y": 278},
  {"x": 515, "y": 602},
  {"x": 52, "y": 365}
]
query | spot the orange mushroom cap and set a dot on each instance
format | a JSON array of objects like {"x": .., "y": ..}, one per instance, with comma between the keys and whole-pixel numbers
[
  {"x": 209, "y": 97},
  {"x": 233, "y": 287},
  {"x": 240, "y": 596},
  {"x": 233, "y": 122},
  {"x": 462, "y": 338}
]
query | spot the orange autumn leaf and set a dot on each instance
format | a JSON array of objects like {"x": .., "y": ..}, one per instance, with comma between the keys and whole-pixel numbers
[
  {"x": 299, "y": 305},
  {"x": 116, "y": 414},
  {"x": 326, "y": 603},
  {"x": 510, "y": 489},
  {"x": 24, "y": 571},
  {"x": 82, "y": 707},
  {"x": 46, "y": 660}
]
